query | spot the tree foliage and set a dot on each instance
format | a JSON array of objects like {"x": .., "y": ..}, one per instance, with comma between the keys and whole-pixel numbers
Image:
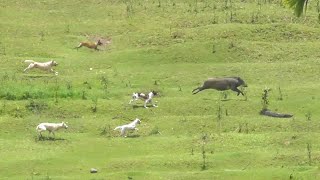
[{"x": 298, "y": 6}]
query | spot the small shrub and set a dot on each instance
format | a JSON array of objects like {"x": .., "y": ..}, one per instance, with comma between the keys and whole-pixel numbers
[
  {"x": 10, "y": 96},
  {"x": 214, "y": 49},
  {"x": 309, "y": 153},
  {"x": 5, "y": 77},
  {"x": 106, "y": 131},
  {"x": 231, "y": 45},
  {"x": 219, "y": 117},
  {"x": 38, "y": 95},
  {"x": 128, "y": 84},
  {"x": 280, "y": 98},
  {"x": 177, "y": 35},
  {"x": 265, "y": 98},
  {"x": 156, "y": 83},
  {"x": 88, "y": 85},
  {"x": 26, "y": 95},
  {"x": 94, "y": 108},
  {"x": 83, "y": 96},
  {"x": 70, "y": 94},
  {"x": 41, "y": 34},
  {"x": 69, "y": 85},
  {"x": 224, "y": 95},
  {"x": 36, "y": 106},
  {"x": 67, "y": 30},
  {"x": 203, "y": 152},
  {"x": 308, "y": 116},
  {"x": 104, "y": 82},
  {"x": 3, "y": 109},
  {"x": 155, "y": 131},
  {"x": 17, "y": 112},
  {"x": 243, "y": 128}
]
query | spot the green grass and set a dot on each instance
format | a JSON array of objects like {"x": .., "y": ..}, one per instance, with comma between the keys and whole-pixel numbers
[{"x": 171, "y": 47}]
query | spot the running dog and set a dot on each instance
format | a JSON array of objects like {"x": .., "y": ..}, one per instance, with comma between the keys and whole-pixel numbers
[
  {"x": 91, "y": 45},
  {"x": 51, "y": 127},
  {"x": 46, "y": 66},
  {"x": 144, "y": 97},
  {"x": 131, "y": 126}
]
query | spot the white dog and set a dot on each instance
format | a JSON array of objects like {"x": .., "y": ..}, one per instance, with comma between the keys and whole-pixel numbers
[
  {"x": 131, "y": 126},
  {"x": 51, "y": 127},
  {"x": 46, "y": 66},
  {"x": 146, "y": 98}
]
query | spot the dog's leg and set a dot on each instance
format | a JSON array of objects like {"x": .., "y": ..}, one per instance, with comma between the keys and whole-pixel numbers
[
  {"x": 123, "y": 132},
  {"x": 238, "y": 91},
  {"x": 51, "y": 70},
  {"x": 40, "y": 129},
  {"x": 40, "y": 134},
  {"x": 145, "y": 103},
  {"x": 79, "y": 46},
  {"x": 195, "y": 89},
  {"x": 154, "y": 105},
  {"x": 131, "y": 101},
  {"x": 29, "y": 67}
]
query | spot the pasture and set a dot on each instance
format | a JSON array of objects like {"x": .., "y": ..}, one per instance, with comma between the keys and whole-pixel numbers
[{"x": 170, "y": 46}]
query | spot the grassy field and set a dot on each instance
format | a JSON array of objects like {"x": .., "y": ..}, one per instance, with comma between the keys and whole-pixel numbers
[{"x": 170, "y": 46}]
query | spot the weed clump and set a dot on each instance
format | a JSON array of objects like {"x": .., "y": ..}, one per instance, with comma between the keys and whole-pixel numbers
[
  {"x": 265, "y": 98},
  {"x": 155, "y": 131},
  {"x": 36, "y": 106}
]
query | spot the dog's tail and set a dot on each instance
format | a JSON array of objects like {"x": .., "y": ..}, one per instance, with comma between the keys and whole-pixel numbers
[
  {"x": 29, "y": 61},
  {"x": 118, "y": 127}
]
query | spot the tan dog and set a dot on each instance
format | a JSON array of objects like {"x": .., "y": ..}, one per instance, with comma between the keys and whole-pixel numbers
[
  {"x": 46, "y": 66},
  {"x": 91, "y": 45}
]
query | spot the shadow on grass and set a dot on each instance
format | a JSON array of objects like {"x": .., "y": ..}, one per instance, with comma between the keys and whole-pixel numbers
[
  {"x": 226, "y": 100},
  {"x": 48, "y": 139},
  {"x": 133, "y": 136},
  {"x": 36, "y": 76},
  {"x": 130, "y": 136},
  {"x": 141, "y": 106}
]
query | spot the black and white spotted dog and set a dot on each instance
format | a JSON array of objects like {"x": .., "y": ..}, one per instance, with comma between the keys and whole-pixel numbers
[{"x": 147, "y": 98}]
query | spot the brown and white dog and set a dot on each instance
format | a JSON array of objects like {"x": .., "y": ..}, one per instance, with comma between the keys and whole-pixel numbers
[
  {"x": 91, "y": 45},
  {"x": 46, "y": 66},
  {"x": 146, "y": 98}
]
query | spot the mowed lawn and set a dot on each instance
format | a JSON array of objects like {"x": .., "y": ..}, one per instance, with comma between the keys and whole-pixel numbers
[{"x": 170, "y": 46}]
